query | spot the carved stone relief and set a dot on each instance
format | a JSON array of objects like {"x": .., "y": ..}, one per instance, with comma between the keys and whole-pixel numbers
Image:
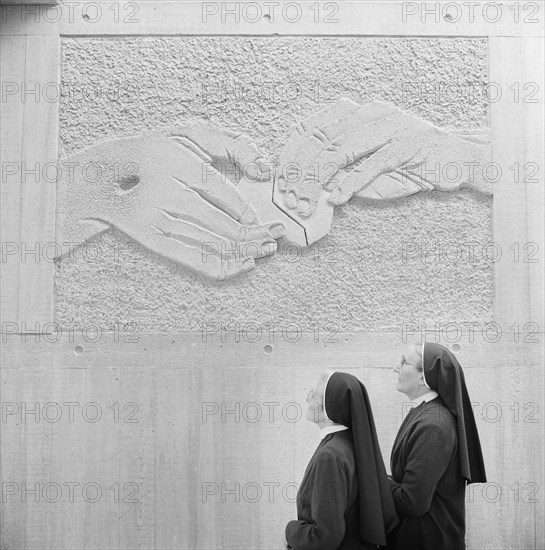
[{"x": 207, "y": 198}]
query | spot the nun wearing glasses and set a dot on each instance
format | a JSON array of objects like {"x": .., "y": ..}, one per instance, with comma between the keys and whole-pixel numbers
[
  {"x": 344, "y": 501},
  {"x": 436, "y": 452}
]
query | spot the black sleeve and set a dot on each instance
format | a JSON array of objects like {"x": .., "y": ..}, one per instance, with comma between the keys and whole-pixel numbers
[
  {"x": 328, "y": 496},
  {"x": 430, "y": 450}
]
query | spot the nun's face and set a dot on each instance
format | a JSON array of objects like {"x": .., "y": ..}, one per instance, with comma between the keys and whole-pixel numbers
[
  {"x": 410, "y": 380},
  {"x": 315, "y": 400}
]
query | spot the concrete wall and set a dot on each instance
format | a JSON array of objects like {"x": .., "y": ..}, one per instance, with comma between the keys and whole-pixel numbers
[{"x": 155, "y": 378}]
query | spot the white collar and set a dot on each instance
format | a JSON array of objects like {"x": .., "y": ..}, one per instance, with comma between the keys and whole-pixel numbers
[
  {"x": 331, "y": 430},
  {"x": 426, "y": 397}
]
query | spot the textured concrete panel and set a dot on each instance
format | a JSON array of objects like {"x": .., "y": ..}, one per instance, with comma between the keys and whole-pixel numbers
[{"x": 357, "y": 276}]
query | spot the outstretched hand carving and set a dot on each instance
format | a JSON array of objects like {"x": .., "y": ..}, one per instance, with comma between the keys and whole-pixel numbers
[
  {"x": 170, "y": 193},
  {"x": 165, "y": 192},
  {"x": 374, "y": 151}
]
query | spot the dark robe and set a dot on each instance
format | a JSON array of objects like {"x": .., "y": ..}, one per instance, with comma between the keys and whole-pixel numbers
[
  {"x": 428, "y": 488},
  {"x": 327, "y": 500}
]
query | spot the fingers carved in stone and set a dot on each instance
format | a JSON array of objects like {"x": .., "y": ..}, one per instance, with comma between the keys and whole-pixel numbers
[
  {"x": 170, "y": 201},
  {"x": 216, "y": 145}
]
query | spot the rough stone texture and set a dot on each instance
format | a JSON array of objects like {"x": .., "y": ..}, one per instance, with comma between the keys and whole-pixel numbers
[{"x": 356, "y": 277}]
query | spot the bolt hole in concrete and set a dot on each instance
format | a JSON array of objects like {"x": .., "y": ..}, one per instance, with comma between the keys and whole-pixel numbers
[
  {"x": 78, "y": 350},
  {"x": 455, "y": 347},
  {"x": 128, "y": 182},
  {"x": 268, "y": 349},
  {"x": 449, "y": 16}
]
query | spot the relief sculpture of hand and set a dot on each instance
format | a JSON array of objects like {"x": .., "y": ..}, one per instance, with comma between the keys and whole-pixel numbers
[
  {"x": 375, "y": 151},
  {"x": 165, "y": 191},
  {"x": 169, "y": 191}
]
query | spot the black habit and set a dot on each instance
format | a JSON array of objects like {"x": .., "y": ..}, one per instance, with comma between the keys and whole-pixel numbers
[
  {"x": 344, "y": 502},
  {"x": 327, "y": 501},
  {"x": 428, "y": 489},
  {"x": 436, "y": 451}
]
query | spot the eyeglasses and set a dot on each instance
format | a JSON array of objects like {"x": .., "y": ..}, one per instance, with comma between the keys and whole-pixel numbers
[
  {"x": 404, "y": 362},
  {"x": 310, "y": 396}
]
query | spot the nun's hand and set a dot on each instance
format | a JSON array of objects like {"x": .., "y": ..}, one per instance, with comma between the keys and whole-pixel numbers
[
  {"x": 375, "y": 151},
  {"x": 169, "y": 192}
]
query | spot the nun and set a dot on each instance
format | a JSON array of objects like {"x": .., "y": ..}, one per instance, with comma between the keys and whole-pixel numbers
[
  {"x": 436, "y": 451},
  {"x": 344, "y": 501}
]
